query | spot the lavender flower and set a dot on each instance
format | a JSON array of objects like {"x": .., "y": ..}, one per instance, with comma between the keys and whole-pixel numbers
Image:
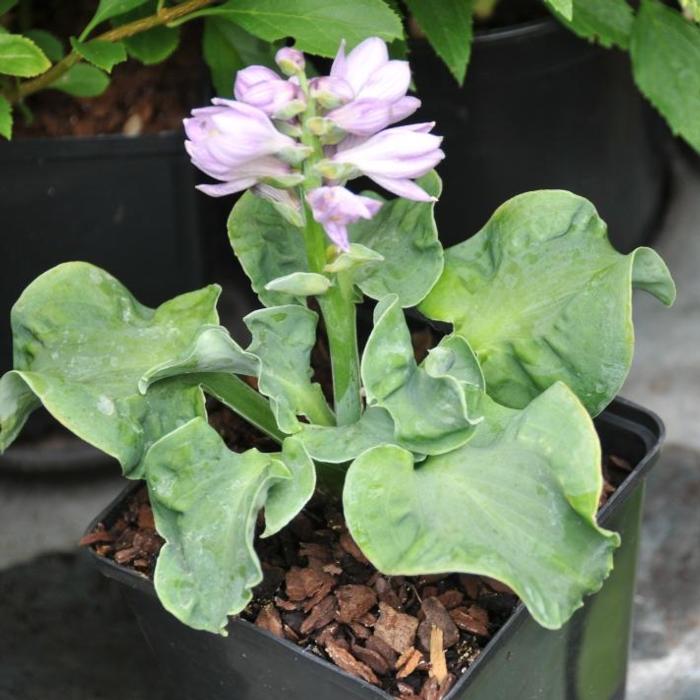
[
  {"x": 263, "y": 88},
  {"x": 290, "y": 60},
  {"x": 378, "y": 85},
  {"x": 393, "y": 158},
  {"x": 237, "y": 144},
  {"x": 336, "y": 208}
]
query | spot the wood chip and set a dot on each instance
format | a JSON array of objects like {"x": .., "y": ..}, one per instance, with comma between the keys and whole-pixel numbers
[
  {"x": 435, "y": 614},
  {"x": 145, "y": 517},
  {"x": 438, "y": 666},
  {"x": 359, "y": 631},
  {"x": 472, "y": 619},
  {"x": 94, "y": 537},
  {"x": 126, "y": 555},
  {"x": 471, "y": 585},
  {"x": 346, "y": 661},
  {"x": 354, "y": 601},
  {"x": 269, "y": 619},
  {"x": 305, "y": 583},
  {"x": 381, "y": 647},
  {"x": 350, "y": 546},
  {"x": 287, "y": 605},
  {"x": 451, "y": 598},
  {"x": 320, "y": 616},
  {"x": 497, "y": 586},
  {"x": 410, "y": 664},
  {"x": 372, "y": 658},
  {"x": 397, "y": 629}
]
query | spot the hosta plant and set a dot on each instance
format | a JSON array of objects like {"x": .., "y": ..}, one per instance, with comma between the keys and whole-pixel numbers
[{"x": 480, "y": 458}]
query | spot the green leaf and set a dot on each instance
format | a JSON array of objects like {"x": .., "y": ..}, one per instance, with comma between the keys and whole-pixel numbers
[
  {"x": 404, "y": 233},
  {"x": 81, "y": 345},
  {"x": 517, "y": 503},
  {"x": 266, "y": 245},
  {"x": 286, "y": 498},
  {"x": 665, "y": 51},
  {"x": 82, "y": 80},
  {"x": 49, "y": 43},
  {"x": 7, "y": 5},
  {"x": 5, "y": 118},
  {"x": 108, "y": 9},
  {"x": 212, "y": 350},
  {"x": 563, "y": 7},
  {"x": 343, "y": 443},
  {"x": 103, "y": 54},
  {"x": 227, "y": 48},
  {"x": 205, "y": 500},
  {"x": 434, "y": 405},
  {"x": 300, "y": 284},
  {"x": 153, "y": 46},
  {"x": 316, "y": 26},
  {"x": 542, "y": 296},
  {"x": 608, "y": 22},
  {"x": 21, "y": 56},
  {"x": 448, "y": 26},
  {"x": 283, "y": 337}
]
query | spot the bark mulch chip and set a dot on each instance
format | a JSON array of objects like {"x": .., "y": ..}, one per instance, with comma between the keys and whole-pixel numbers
[{"x": 411, "y": 636}]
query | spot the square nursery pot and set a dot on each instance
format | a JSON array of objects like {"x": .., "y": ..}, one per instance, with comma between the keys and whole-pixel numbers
[
  {"x": 542, "y": 108},
  {"x": 127, "y": 204},
  {"x": 585, "y": 660}
]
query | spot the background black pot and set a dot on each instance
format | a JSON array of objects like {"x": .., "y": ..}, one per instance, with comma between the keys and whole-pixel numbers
[
  {"x": 541, "y": 108},
  {"x": 127, "y": 204},
  {"x": 584, "y": 660}
]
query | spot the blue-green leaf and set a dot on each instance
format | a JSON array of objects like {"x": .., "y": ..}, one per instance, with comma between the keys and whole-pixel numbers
[
  {"x": 81, "y": 345},
  {"x": 542, "y": 296},
  {"x": 517, "y": 503},
  {"x": 435, "y": 406}
]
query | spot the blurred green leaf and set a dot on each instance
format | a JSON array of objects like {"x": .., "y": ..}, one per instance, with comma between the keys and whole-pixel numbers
[
  {"x": 21, "y": 56},
  {"x": 103, "y": 54},
  {"x": 7, "y": 5},
  {"x": 107, "y": 9},
  {"x": 82, "y": 80},
  {"x": 5, "y": 118},
  {"x": 564, "y": 7},
  {"x": 49, "y": 43},
  {"x": 153, "y": 46},
  {"x": 607, "y": 22},
  {"x": 665, "y": 50}
]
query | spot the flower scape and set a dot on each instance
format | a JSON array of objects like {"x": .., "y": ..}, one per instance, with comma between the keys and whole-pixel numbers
[{"x": 474, "y": 457}]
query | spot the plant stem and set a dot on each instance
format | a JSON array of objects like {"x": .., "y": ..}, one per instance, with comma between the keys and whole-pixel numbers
[{"x": 138, "y": 26}]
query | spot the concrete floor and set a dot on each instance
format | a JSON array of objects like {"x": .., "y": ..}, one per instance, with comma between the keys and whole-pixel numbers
[{"x": 52, "y": 638}]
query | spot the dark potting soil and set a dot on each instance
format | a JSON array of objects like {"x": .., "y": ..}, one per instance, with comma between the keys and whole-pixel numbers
[
  {"x": 411, "y": 636},
  {"x": 139, "y": 100}
]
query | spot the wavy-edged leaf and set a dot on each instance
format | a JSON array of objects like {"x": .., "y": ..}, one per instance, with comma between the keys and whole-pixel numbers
[
  {"x": 287, "y": 497},
  {"x": 103, "y": 54},
  {"x": 435, "y": 405},
  {"x": 343, "y": 443},
  {"x": 212, "y": 350},
  {"x": 267, "y": 246},
  {"x": 283, "y": 337},
  {"x": 607, "y": 22},
  {"x": 517, "y": 503},
  {"x": 404, "y": 233},
  {"x": 81, "y": 344},
  {"x": 665, "y": 52},
  {"x": 205, "y": 500},
  {"x": 21, "y": 57},
  {"x": 542, "y": 296},
  {"x": 448, "y": 26},
  {"x": 82, "y": 80},
  {"x": 317, "y": 26},
  {"x": 300, "y": 284}
]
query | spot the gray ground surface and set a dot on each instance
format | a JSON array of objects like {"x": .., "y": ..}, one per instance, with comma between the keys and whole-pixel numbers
[{"x": 55, "y": 610}]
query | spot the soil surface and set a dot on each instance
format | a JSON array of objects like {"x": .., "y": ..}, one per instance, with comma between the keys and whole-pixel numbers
[
  {"x": 139, "y": 100},
  {"x": 411, "y": 636}
]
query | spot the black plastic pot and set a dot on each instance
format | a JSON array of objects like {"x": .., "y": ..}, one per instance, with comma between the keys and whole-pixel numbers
[
  {"x": 127, "y": 204},
  {"x": 585, "y": 660},
  {"x": 541, "y": 108}
]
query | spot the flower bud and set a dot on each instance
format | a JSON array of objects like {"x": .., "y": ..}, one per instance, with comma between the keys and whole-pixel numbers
[
  {"x": 330, "y": 92},
  {"x": 290, "y": 60},
  {"x": 331, "y": 170}
]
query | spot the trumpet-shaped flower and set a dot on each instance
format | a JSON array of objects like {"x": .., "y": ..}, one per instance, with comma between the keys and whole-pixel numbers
[
  {"x": 335, "y": 208},
  {"x": 394, "y": 157},
  {"x": 379, "y": 87},
  {"x": 263, "y": 88}
]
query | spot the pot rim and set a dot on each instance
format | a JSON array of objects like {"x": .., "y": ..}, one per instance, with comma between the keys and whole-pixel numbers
[
  {"x": 621, "y": 414},
  {"x": 540, "y": 26}
]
